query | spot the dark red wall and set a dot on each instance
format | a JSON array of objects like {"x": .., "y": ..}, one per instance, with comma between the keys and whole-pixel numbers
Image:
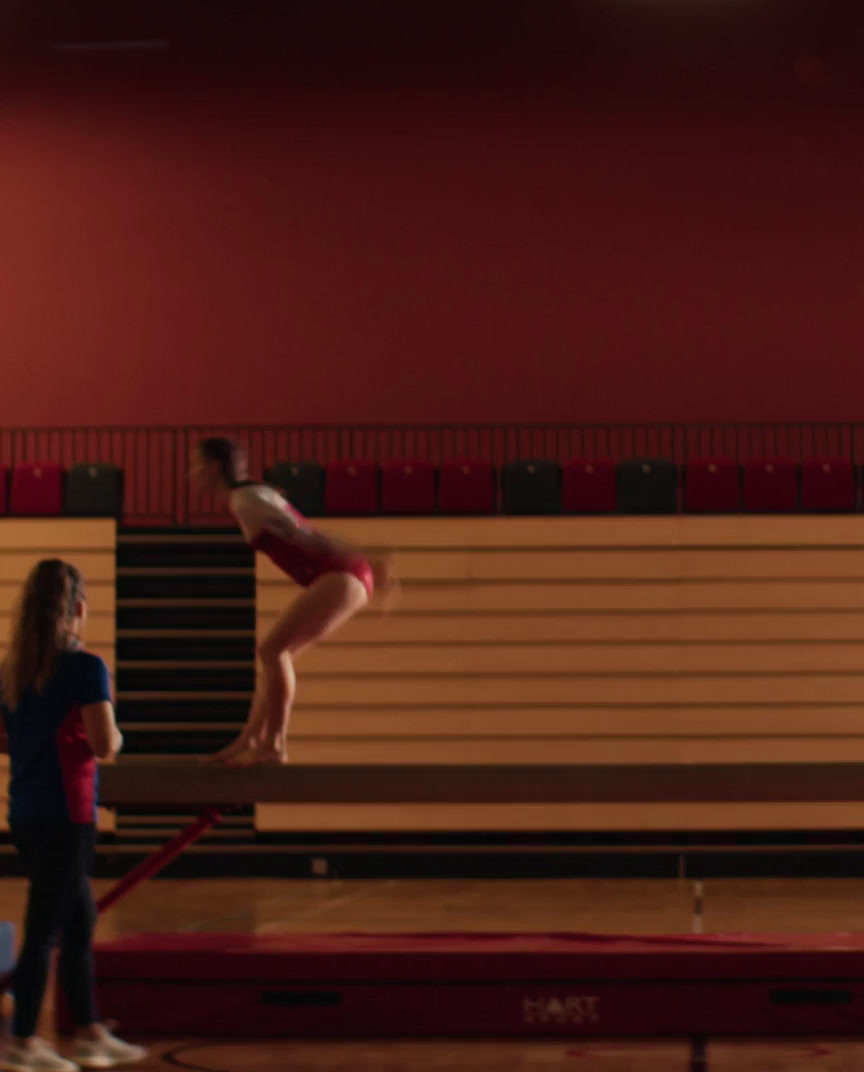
[{"x": 427, "y": 256}]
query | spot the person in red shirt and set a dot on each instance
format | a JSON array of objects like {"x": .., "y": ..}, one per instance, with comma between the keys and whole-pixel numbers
[
  {"x": 339, "y": 580},
  {"x": 57, "y": 720}
]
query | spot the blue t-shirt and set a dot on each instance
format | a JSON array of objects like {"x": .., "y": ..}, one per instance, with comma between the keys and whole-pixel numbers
[{"x": 53, "y": 772}]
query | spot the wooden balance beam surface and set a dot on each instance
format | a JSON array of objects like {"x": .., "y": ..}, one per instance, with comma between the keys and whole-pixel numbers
[{"x": 185, "y": 783}]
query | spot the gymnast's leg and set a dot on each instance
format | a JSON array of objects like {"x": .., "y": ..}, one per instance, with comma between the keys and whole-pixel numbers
[{"x": 328, "y": 603}]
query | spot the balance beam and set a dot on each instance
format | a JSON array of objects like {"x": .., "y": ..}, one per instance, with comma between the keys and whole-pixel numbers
[
  {"x": 182, "y": 783},
  {"x": 214, "y": 789}
]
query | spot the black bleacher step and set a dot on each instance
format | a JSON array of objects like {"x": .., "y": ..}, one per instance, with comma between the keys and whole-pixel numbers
[
  {"x": 217, "y": 616},
  {"x": 184, "y": 813},
  {"x": 183, "y": 649},
  {"x": 182, "y": 743},
  {"x": 191, "y": 554},
  {"x": 201, "y": 861},
  {"x": 195, "y": 726},
  {"x": 158, "y": 712},
  {"x": 186, "y": 570},
  {"x": 215, "y": 678},
  {"x": 216, "y": 586},
  {"x": 112, "y": 861}
]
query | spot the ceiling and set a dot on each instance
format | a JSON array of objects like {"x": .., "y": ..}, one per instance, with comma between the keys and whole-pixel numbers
[{"x": 666, "y": 42}]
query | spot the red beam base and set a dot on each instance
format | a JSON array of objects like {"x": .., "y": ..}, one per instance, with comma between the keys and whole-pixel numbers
[
  {"x": 161, "y": 859},
  {"x": 503, "y": 985}
]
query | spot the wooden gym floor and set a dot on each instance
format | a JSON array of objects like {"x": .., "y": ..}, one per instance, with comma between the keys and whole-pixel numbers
[{"x": 642, "y": 906}]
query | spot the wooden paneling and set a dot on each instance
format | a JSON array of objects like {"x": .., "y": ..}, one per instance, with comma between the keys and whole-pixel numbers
[
  {"x": 96, "y": 566},
  {"x": 573, "y": 750},
  {"x": 469, "y": 597},
  {"x": 535, "y": 629},
  {"x": 400, "y": 691},
  {"x": 578, "y": 659},
  {"x": 57, "y": 537},
  {"x": 624, "y": 565},
  {"x": 509, "y": 533},
  {"x": 636, "y": 722}
]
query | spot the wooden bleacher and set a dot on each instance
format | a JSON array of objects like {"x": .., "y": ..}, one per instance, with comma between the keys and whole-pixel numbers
[
  {"x": 91, "y": 546},
  {"x": 566, "y": 640},
  {"x": 590, "y": 641}
]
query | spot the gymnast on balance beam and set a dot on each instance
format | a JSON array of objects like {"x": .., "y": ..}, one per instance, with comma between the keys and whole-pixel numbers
[{"x": 339, "y": 580}]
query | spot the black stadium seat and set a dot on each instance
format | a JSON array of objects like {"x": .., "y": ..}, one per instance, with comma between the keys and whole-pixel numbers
[
  {"x": 302, "y": 483},
  {"x": 648, "y": 486},
  {"x": 94, "y": 491}
]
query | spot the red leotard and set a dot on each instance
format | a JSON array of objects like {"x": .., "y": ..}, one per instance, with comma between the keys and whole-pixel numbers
[{"x": 274, "y": 528}]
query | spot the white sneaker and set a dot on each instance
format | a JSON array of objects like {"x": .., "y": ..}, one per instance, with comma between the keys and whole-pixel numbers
[
  {"x": 107, "y": 1052},
  {"x": 38, "y": 1057}
]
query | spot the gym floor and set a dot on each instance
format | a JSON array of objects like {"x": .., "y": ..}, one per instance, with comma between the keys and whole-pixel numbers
[{"x": 614, "y": 906}]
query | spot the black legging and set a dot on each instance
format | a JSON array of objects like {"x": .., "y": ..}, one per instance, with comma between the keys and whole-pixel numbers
[{"x": 57, "y": 858}]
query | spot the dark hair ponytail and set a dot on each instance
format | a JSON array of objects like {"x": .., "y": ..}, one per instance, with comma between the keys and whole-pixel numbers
[
  {"x": 40, "y": 629},
  {"x": 229, "y": 455}
]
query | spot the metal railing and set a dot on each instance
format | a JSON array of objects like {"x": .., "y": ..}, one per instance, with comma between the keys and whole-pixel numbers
[{"x": 156, "y": 460}]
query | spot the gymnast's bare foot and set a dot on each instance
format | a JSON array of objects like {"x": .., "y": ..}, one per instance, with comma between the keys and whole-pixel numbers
[
  {"x": 233, "y": 752},
  {"x": 246, "y": 750},
  {"x": 271, "y": 753},
  {"x": 242, "y": 759}
]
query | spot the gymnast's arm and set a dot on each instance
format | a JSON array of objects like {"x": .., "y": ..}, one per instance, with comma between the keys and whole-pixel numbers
[
  {"x": 255, "y": 512},
  {"x": 381, "y": 563},
  {"x": 100, "y": 726}
]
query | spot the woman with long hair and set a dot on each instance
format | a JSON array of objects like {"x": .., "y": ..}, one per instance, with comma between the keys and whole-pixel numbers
[
  {"x": 58, "y": 719},
  {"x": 338, "y": 581}
]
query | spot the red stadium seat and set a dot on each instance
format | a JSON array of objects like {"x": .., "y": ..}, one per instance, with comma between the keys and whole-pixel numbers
[
  {"x": 468, "y": 487},
  {"x": 4, "y": 489},
  {"x": 712, "y": 486},
  {"x": 408, "y": 488},
  {"x": 37, "y": 490},
  {"x": 771, "y": 486},
  {"x": 828, "y": 484},
  {"x": 588, "y": 486},
  {"x": 351, "y": 489}
]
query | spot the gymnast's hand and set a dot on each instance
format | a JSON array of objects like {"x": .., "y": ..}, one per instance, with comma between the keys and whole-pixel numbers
[{"x": 387, "y": 586}]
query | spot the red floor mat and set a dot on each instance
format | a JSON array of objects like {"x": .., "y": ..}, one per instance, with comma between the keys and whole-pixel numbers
[{"x": 514, "y": 985}]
